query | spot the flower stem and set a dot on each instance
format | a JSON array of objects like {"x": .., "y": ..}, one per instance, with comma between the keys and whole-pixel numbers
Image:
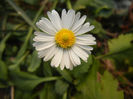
[{"x": 69, "y": 6}]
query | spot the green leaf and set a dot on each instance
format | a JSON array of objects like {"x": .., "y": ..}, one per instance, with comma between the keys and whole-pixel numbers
[
  {"x": 26, "y": 81},
  {"x": 61, "y": 87},
  {"x": 47, "y": 69},
  {"x": 109, "y": 87},
  {"x": 3, "y": 44},
  {"x": 121, "y": 48},
  {"x": 47, "y": 92},
  {"x": 3, "y": 71},
  {"x": 98, "y": 30},
  {"x": 19, "y": 94},
  {"x": 103, "y": 8},
  {"x": 18, "y": 62},
  {"x": 32, "y": 2},
  {"x": 65, "y": 74},
  {"x": 120, "y": 44},
  {"x": 35, "y": 62},
  {"x": 81, "y": 4},
  {"x": 90, "y": 88},
  {"x": 83, "y": 68}
]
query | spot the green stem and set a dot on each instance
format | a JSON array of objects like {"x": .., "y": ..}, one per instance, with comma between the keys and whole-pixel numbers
[
  {"x": 51, "y": 78},
  {"x": 3, "y": 44},
  {"x": 65, "y": 95},
  {"x": 22, "y": 13},
  {"x": 18, "y": 62},
  {"x": 54, "y": 5},
  {"x": 69, "y": 6},
  {"x": 4, "y": 22},
  {"x": 40, "y": 11},
  {"x": 24, "y": 46},
  {"x": 102, "y": 56}
]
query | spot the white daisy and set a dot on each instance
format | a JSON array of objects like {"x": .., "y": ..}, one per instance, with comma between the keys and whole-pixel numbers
[{"x": 63, "y": 40}]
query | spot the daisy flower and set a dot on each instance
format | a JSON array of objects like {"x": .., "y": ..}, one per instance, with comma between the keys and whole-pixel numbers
[{"x": 63, "y": 39}]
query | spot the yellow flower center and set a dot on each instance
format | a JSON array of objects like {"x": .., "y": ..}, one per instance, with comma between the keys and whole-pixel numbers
[{"x": 65, "y": 38}]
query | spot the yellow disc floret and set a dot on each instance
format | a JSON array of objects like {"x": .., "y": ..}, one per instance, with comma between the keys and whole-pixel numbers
[{"x": 65, "y": 38}]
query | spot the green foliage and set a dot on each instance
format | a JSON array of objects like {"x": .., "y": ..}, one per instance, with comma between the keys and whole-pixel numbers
[
  {"x": 19, "y": 94},
  {"x": 78, "y": 72},
  {"x": 47, "y": 92},
  {"x": 121, "y": 48},
  {"x": 109, "y": 87},
  {"x": 99, "y": 31},
  {"x": 32, "y": 78},
  {"x": 27, "y": 81},
  {"x": 91, "y": 88},
  {"x": 65, "y": 74},
  {"x": 120, "y": 44},
  {"x": 47, "y": 69},
  {"x": 61, "y": 87},
  {"x": 32, "y": 2},
  {"x": 103, "y": 8},
  {"x": 3, "y": 71},
  {"x": 35, "y": 62},
  {"x": 88, "y": 87},
  {"x": 3, "y": 44}
]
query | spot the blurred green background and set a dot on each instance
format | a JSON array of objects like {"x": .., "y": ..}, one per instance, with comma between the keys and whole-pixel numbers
[{"x": 108, "y": 74}]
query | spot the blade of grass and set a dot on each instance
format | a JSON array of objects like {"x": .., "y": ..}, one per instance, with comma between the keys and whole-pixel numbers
[
  {"x": 51, "y": 78},
  {"x": 65, "y": 95},
  {"x": 14, "y": 66},
  {"x": 24, "y": 46},
  {"x": 4, "y": 22},
  {"x": 69, "y": 5},
  {"x": 54, "y": 4},
  {"x": 22, "y": 13},
  {"x": 3, "y": 44}
]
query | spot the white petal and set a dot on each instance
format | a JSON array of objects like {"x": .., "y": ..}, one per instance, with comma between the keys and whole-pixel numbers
[
  {"x": 85, "y": 28},
  {"x": 67, "y": 61},
  {"x": 41, "y": 34},
  {"x": 52, "y": 51},
  {"x": 42, "y": 53},
  {"x": 77, "y": 16},
  {"x": 45, "y": 27},
  {"x": 81, "y": 53},
  {"x": 85, "y": 47},
  {"x": 57, "y": 58},
  {"x": 86, "y": 37},
  {"x": 68, "y": 19},
  {"x": 63, "y": 17},
  {"x": 74, "y": 58},
  {"x": 40, "y": 38},
  {"x": 55, "y": 19},
  {"x": 42, "y": 46},
  {"x": 62, "y": 64},
  {"x": 77, "y": 29},
  {"x": 49, "y": 24},
  {"x": 79, "y": 23},
  {"x": 85, "y": 42}
]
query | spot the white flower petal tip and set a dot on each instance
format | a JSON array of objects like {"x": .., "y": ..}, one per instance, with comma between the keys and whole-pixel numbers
[{"x": 64, "y": 39}]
